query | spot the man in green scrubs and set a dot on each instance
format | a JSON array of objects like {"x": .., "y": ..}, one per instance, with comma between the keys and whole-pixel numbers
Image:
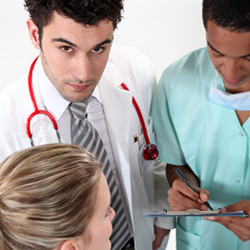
[{"x": 201, "y": 118}]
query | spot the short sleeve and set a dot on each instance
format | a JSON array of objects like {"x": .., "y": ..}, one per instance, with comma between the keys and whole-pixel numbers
[{"x": 166, "y": 137}]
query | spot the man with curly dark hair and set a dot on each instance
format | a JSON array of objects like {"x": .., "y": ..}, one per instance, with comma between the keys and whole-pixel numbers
[
  {"x": 78, "y": 78},
  {"x": 85, "y": 12},
  {"x": 201, "y": 118}
]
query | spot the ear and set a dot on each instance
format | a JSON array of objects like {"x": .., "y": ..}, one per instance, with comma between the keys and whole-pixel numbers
[
  {"x": 68, "y": 245},
  {"x": 33, "y": 33}
]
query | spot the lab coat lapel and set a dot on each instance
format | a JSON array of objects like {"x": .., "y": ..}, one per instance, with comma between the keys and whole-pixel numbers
[
  {"x": 117, "y": 112},
  {"x": 115, "y": 104}
]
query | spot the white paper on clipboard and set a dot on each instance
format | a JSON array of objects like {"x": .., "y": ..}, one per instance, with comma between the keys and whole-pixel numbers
[{"x": 195, "y": 212}]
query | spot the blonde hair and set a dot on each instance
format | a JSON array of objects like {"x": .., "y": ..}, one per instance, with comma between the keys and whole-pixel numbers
[{"x": 47, "y": 195}]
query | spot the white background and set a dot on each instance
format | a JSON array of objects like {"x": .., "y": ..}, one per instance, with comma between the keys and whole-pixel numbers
[{"x": 164, "y": 30}]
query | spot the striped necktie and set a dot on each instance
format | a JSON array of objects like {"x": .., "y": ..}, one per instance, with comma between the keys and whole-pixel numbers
[{"x": 85, "y": 135}]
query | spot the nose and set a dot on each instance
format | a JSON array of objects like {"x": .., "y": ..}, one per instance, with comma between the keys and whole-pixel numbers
[
  {"x": 82, "y": 68},
  {"x": 232, "y": 68},
  {"x": 112, "y": 214}
]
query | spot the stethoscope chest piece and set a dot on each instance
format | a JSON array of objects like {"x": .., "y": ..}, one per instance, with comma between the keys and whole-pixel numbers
[{"x": 150, "y": 152}]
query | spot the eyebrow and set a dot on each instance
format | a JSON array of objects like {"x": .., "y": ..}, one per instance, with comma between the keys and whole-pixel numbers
[
  {"x": 104, "y": 42},
  {"x": 62, "y": 40},
  {"x": 211, "y": 47}
]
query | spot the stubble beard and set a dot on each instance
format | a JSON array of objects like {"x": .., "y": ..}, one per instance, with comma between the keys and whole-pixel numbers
[{"x": 59, "y": 86}]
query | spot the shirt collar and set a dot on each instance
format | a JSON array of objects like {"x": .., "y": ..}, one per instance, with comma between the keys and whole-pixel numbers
[
  {"x": 96, "y": 94},
  {"x": 52, "y": 100}
]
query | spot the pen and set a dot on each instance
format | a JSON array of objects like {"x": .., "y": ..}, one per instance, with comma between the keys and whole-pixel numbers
[
  {"x": 135, "y": 138},
  {"x": 185, "y": 179}
]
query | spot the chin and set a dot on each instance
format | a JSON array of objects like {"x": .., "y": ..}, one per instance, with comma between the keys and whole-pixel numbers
[
  {"x": 234, "y": 85},
  {"x": 109, "y": 245},
  {"x": 76, "y": 98}
]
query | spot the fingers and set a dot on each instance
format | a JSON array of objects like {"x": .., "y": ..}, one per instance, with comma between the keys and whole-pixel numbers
[
  {"x": 204, "y": 194},
  {"x": 181, "y": 186},
  {"x": 157, "y": 242},
  {"x": 160, "y": 233},
  {"x": 182, "y": 198},
  {"x": 243, "y": 205},
  {"x": 179, "y": 202},
  {"x": 239, "y": 226}
]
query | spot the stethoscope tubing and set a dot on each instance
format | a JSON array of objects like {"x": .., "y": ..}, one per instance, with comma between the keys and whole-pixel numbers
[
  {"x": 37, "y": 111},
  {"x": 139, "y": 115},
  {"x": 150, "y": 151}
]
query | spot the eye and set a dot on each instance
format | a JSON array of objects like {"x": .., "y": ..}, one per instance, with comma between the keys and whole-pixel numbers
[
  {"x": 247, "y": 58},
  {"x": 97, "y": 50},
  {"x": 66, "y": 49},
  {"x": 110, "y": 210},
  {"x": 217, "y": 55}
]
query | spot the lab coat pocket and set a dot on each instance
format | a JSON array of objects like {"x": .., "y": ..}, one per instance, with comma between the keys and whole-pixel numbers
[
  {"x": 146, "y": 168},
  {"x": 144, "y": 164},
  {"x": 186, "y": 240},
  {"x": 138, "y": 148},
  {"x": 148, "y": 182}
]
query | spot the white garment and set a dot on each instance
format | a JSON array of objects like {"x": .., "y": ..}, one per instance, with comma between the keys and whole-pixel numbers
[
  {"x": 64, "y": 117},
  {"x": 135, "y": 70}
]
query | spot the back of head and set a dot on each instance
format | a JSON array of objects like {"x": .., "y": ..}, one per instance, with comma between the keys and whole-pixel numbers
[
  {"x": 233, "y": 15},
  {"x": 47, "y": 195}
]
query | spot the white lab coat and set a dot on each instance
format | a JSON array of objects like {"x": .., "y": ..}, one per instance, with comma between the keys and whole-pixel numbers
[{"x": 135, "y": 70}]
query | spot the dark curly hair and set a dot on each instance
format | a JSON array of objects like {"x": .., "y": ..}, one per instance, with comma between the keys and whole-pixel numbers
[
  {"x": 229, "y": 14},
  {"x": 87, "y": 12}
]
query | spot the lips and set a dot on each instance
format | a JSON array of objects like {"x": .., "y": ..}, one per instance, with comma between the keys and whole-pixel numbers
[
  {"x": 79, "y": 87},
  {"x": 233, "y": 80}
]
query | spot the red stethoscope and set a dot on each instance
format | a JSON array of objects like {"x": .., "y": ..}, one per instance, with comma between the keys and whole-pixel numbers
[{"x": 150, "y": 151}]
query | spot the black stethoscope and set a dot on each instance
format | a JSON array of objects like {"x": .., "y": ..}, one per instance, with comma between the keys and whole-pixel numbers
[{"x": 150, "y": 151}]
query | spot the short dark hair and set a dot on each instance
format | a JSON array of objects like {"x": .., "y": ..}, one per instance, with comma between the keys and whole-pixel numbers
[
  {"x": 229, "y": 14},
  {"x": 87, "y": 12}
]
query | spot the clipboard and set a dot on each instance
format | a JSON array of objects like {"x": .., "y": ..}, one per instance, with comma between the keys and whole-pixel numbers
[{"x": 195, "y": 213}]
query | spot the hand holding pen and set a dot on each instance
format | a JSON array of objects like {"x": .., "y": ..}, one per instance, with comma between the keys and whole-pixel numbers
[
  {"x": 183, "y": 196},
  {"x": 185, "y": 179}
]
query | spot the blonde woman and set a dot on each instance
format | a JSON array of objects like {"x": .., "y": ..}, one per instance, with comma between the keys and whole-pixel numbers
[{"x": 56, "y": 197}]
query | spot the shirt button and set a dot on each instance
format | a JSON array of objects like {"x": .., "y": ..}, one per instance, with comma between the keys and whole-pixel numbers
[
  {"x": 237, "y": 180},
  {"x": 241, "y": 134}
]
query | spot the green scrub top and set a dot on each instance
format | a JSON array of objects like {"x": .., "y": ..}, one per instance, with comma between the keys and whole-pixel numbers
[{"x": 209, "y": 139}]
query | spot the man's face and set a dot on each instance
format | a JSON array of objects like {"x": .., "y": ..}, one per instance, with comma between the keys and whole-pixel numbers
[
  {"x": 74, "y": 56},
  {"x": 230, "y": 55}
]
